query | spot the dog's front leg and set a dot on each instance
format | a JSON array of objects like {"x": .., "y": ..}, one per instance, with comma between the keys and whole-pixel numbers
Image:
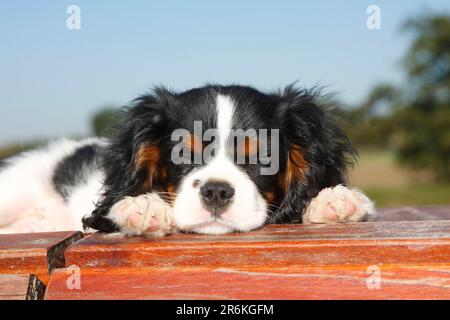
[
  {"x": 338, "y": 204},
  {"x": 148, "y": 215}
]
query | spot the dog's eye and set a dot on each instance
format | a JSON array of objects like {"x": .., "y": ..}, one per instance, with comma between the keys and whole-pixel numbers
[
  {"x": 194, "y": 144},
  {"x": 247, "y": 148}
]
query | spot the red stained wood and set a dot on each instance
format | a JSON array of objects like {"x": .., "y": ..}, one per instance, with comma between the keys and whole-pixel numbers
[
  {"x": 408, "y": 213},
  {"x": 294, "y": 282},
  {"x": 20, "y": 287},
  {"x": 275, "y": 262},
  {"x": 34, "y": 253},
  {"x": 275, "y": 245}
]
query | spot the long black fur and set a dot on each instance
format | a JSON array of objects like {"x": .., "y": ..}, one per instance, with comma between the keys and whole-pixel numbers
[
  {"x": 141, "y": 123},
  {"x": 297, "y": 113},
  {"x": 327, "y": 150}
]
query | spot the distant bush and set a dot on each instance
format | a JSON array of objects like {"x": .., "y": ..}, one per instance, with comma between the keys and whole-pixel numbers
[
  {"x": 104, "y": 121},
  {"x": 422, "y": 139},
  {"x": 13, "y": 149}
]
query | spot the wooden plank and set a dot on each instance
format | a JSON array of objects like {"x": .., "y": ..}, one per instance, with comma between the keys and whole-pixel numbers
[
  {"x": 408, "y": 213},
  {"x": 293, "y": 282},
  {"x": 412, "y": 260},
  {"x": 34, "y": 253},
  {"x": 21, "y": 287},
  {"x": 275, "y": 245}
]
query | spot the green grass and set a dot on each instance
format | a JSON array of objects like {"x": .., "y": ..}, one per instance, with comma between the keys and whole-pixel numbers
[
  {"x": 410, "y": 195},
  {"x": 389, "y": 183},
  {"x": 376, "y": 156}
]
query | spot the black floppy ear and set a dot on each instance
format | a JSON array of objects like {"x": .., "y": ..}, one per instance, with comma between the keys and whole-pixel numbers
[
  {"x": 132, "y": 161},
  {"x": 315, "y": 151}
]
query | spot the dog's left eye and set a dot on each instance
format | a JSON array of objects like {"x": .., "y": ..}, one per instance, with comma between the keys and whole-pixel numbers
[
  {"x": 193, "y": 143},
  {"x": 247, "y": 148}
]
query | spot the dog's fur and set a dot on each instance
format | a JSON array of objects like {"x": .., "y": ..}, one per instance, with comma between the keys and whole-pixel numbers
[{"x": 52, "y": 188}]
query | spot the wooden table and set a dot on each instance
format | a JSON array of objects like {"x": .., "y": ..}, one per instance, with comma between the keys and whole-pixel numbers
[
  {"x": 36, "y": 253},
  {"x": 373, "y": 260},
  {"x": 382, "y": 260},
  {"x": 27, "y": 259},
  {"x": 21, "y": 287}
]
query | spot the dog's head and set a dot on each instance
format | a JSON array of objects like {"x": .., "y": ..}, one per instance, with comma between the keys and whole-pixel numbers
[{"x": 228, "y": 158}]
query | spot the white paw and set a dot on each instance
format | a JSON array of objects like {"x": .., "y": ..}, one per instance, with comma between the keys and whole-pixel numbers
[
  {"x": 146, "y": 214},
  {"x": 338, "y": 204}
]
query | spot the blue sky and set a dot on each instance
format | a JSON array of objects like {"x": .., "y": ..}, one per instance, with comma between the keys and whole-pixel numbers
[{"x": 52, "y": 79}]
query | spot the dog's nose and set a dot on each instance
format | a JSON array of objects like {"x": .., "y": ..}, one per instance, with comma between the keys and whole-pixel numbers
[{"x": 216, "y": 195}]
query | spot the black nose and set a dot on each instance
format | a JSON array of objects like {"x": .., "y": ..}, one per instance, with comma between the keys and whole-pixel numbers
[{"x": 216, "y": 195}]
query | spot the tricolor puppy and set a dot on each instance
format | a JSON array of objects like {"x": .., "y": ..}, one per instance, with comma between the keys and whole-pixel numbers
[{"x": 210, "y": 160}]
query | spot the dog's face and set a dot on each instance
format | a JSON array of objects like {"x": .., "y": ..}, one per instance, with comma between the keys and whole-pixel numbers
[
  {"x": 227, "y": 158},
  {"x": 211, "y": 158},
  {"x": 221, "y": 187}
]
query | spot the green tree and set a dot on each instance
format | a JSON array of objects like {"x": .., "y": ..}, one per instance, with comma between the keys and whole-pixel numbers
[
  {"x": 427, "y": 61},
  {"x": 104, "y": 120},
  {"x": 369, "y": 125},
  {"x": 423, "y": 126}
]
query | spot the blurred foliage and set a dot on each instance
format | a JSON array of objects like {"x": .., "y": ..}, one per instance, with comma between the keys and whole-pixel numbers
[
  {"x": 367, "y": 125},
  {"x": 103, "y": 122},
  {"x": 422, "y": 139},
  {"x": 415, "y": 120},
  {"x": 13, "y": 149},
  {"x": 427, "y": 62}
]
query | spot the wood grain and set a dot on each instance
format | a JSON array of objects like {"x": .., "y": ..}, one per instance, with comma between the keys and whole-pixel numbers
[
  {"x": 408, "y": 213},
  {"x": 20, "y": 287},
  {"x": 293, "y": 282},
  {"x": 34, "y": 253},
  {"x": 275, "y": 262},
  {"x": 275, "y": 245}
]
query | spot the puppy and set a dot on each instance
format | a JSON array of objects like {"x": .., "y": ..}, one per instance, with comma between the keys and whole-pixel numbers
[{"x": 210, "y": 160}]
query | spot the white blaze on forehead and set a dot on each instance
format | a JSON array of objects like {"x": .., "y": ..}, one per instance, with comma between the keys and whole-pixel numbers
[
  {"x": 248, "y": 208},
  {"x": 225, "y": 112}
]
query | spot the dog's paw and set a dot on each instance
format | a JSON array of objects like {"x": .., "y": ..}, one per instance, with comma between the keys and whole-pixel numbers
[
  {"x": 338, "y": 204},
  {"x": 147, "y": 215}
]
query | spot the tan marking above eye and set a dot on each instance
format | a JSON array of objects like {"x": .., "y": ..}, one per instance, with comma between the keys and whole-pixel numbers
[
  {"x": 193, "y": 143},
  {"x": 248, "y": 147}
]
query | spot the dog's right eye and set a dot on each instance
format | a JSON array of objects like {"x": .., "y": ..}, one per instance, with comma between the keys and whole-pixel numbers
[
  {"x": 193, "y": 143},
  {"x": 246, "y": 149}
]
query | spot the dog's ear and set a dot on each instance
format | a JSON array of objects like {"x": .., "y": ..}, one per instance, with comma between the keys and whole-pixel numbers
[
  {"x": 315, "y": 152},
  {"x": 132, "y": 161}
]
